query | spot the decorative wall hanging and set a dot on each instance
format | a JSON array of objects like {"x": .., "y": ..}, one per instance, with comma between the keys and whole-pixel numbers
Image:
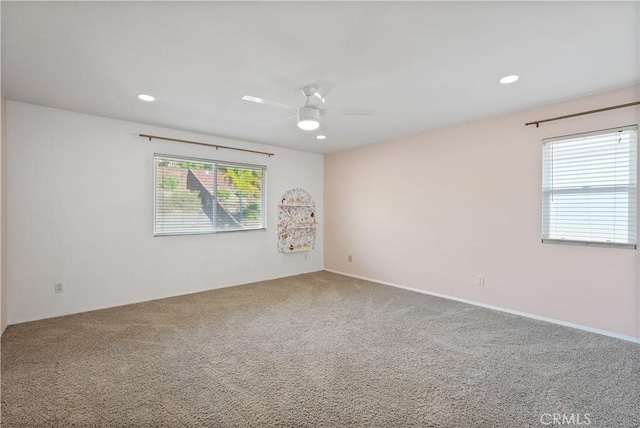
[{"x": 297, "y": 222}]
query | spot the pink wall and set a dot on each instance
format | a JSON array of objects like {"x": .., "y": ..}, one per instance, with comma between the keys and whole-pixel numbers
[{"x": 434, "y": 210}]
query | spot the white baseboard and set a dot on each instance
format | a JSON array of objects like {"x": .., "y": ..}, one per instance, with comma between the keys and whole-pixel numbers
[
  {"x": 497, "y": 308},
  {"x": 13, "y": 321}
]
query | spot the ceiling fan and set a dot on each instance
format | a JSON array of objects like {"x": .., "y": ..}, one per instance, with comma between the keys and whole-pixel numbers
[{"x": 309, "y": 114}]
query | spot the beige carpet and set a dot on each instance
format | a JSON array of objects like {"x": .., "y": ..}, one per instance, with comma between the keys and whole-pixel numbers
[{"x": 307, "y": 351}]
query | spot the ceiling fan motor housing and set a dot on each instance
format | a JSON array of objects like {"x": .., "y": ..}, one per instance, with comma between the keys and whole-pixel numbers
[
  {"x": 308, "y": 118},
  {"x": 308, "y": 113},
  {"x": 310, "y": 91}
]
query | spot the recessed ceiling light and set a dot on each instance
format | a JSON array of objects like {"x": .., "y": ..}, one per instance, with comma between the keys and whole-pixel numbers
[
  {"x": 146, "y": 97},
  {"x": 509, "y": 79},
  {"x": 321, "y": 137}
]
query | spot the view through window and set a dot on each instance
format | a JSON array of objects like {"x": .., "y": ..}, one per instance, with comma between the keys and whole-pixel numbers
[{"x": 194, "y": 196}]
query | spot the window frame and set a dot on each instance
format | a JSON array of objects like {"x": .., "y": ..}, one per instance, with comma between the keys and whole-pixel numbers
[
  {"x": 215, "y": 164},
  {"x": 633, "y": 190}
]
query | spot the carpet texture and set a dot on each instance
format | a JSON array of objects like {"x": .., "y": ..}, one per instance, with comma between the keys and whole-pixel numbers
[{"x": 314, "y": 350}]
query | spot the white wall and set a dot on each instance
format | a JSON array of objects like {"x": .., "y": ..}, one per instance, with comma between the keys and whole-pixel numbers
[
  {"x": 80, "y": 212},
  {"x": 434, "y": 210}
]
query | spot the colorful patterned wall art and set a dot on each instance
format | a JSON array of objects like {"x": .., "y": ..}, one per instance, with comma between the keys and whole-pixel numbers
[{"x": 297, "y": 221}]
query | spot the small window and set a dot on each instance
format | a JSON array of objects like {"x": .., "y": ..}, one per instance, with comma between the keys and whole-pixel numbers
[
  {"x": 589, "y": 188},
  {"x": 195, "y": 196}
]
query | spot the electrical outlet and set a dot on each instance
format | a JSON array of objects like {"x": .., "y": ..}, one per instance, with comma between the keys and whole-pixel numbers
[
  {"x": 57, "y": 287},
  {"x": 350, "y": 258},
  {"x": 480, "y": 280}
]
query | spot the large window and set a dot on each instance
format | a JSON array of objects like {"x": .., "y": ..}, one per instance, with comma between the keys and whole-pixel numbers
[
  {"x": 589, "y": 188},
  {"x": 195, "y": 196}
]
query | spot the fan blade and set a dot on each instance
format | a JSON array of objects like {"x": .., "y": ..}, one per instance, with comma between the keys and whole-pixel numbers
[
  {"x": 269, "y": 102},
  {"x": 278, "y": 119},
  {"x": 346, "y": 111},
  {"x": 323, "y": 90}
]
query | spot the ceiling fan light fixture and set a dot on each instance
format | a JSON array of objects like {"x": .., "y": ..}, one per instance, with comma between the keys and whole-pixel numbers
[
  {"x": 308, "y": 118},
  {"x": 308, "y": 124}
]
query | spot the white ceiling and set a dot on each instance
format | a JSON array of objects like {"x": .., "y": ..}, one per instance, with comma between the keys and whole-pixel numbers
[{"x": 420, "y": 65}]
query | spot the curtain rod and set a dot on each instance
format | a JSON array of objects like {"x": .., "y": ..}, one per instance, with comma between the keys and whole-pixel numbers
[
  {"x": 155, "y": 137},
  {"x": 538, "y": 122}
]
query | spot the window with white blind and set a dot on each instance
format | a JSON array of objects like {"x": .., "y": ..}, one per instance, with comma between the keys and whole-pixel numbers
[
  {"x": 589, "y": 188},
  {"x": 195, "y": 196}
]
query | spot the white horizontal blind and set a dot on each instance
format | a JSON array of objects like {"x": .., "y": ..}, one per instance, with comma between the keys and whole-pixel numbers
[
  {"x": 589, "y": 188},
  {"x": 194, "y": 196},
  {"x": 240, "y": 191}
]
